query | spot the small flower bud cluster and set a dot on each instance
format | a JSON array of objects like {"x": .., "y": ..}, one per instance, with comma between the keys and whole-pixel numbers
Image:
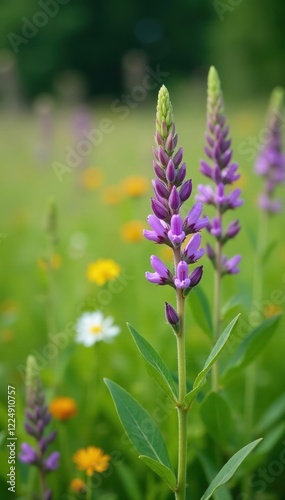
[
  {"x": 168, "y": 227},
  {"x": 220, "y": 169}
]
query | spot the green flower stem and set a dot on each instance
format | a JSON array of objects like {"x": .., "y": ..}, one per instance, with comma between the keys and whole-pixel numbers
[
  {"x": 217, "y": 306},
  {"x": 182, "y": 410},
  {"x": 250, "y": 374},
  {"x": 89, "y": 488}
]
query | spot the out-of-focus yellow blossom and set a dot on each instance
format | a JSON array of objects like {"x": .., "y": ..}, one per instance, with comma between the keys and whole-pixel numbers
[
  {"x": 77, "y": 485},
  {"x": 112, "y": 195},
  {"x": 271, "y": 310},
  {"x": 132, "y": 231},
  {"x": 103, "y": 270},
  {"x": 92, "y": 178},
  {"x": 135, "y": 186}
]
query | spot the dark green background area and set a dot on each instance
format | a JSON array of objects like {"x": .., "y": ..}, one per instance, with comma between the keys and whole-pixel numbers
[{"x": 244, "y": 39}]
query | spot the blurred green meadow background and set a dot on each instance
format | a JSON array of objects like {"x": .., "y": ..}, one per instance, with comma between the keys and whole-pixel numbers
[{"x": 75, "y": 73}]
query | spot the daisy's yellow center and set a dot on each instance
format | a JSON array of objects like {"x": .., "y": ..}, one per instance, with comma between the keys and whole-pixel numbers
[{"x": 96, "y": 329}]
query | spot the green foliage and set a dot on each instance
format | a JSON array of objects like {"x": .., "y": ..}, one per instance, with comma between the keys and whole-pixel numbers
[
  {"x": 142, "y": 431},
  {"x": 216, "y": 415},
  {"x": 250, "y": 346},
  {"x": 212, "y": 358},
  {"x": 200, "y": 308},
  {"x": 229, "y": 469},
  {"x": 155, "y": 367}
]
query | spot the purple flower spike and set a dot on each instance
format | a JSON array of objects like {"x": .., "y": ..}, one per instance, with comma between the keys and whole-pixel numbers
[
  {"x": 181, "y": 280},
  {"x": 176, "y": 233},
  {"x": 270, "y": 162},
  {"x": 38, "y": 418},
  {"x": 219, "y": 167}
]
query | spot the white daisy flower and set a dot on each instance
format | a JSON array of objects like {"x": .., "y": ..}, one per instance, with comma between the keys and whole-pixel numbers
[{"x": 92, "y": 327}]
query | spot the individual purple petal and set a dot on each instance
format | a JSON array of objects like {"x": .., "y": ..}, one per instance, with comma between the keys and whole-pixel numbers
[
  {"x": 169, "y": 143},
  {"x": 163, "y": 157},
  {"x": 233, "y": 200},
  {"x": 52, "y": 462},
  {"x": 176, "y": 233},
  {"x": 181, "y": 280},
  {"x": 191, "y": 253}
]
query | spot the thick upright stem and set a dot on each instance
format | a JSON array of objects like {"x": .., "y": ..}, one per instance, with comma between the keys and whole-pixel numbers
[
  {"x": 217, "y": 305},
  {"x": 182, "y": 410}
]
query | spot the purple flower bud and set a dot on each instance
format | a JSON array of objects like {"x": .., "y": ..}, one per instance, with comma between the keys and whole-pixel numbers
[
  {"x": 230, "y": 266},
  {"x": 205, "y": 169},
  {"x": 192, "y": 223},
  {"x": 185, "y": 191},
  {"x": 181, "y": 280},
  {"x": 233, "y": 200},
  {"x": 216, "y": 227},
  {"x": 177, "y": 158},
  {"x": 159, "y": 172},
  {"x": 163, "y": 157},
  {"x": 191, "y": 253},
  {"x": 30, "y": 429},
  {"x": 174, "y": 200},
  {"x": 171, "y": 316},
  {"x": 162, "y": 275},
  {"x": 159, "y": 210},
  {"x": 210, "y": 252},
  {"x": 206, "y": 194},
  {"x": 233, "y": 229},
  {"x": 160, "y": 189},
  {"x": 176, "y": 233},
  {"x": 160, "y": 228},
  {"x": 52, "y": 462},
  {"x": 169, "y": 143},
  {"x": 180, "y": 174},
  {"x": 28, "y": 455},
  {"x": 196, "y": 276},
  {"x": 229, "y": 174},
  {"x": 158, "y": 139},
  {"x": 170, "y": 171}
]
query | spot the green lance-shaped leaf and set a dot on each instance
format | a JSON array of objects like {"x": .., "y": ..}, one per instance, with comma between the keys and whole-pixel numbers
[
  {"x": 140, "y": 428},
  {"x": 161, "y": 470},
  {"x": 210, "y": 471},
  {"x": 212, "y": 358},
  {"x": 250, "y": 346},
  {"x": 156, "y": 368},
  {"x": 201, "y": 310},
  {"x": 229, "y": 469}
]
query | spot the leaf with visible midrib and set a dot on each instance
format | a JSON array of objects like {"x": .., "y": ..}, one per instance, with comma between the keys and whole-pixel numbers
[
  {"x": 229, "y": 469},
  {"x": 140, "y": 428}
]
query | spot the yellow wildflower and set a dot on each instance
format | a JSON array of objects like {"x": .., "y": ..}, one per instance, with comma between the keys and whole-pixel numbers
[
  {"x": 91, "y": 178},
  {"x": 77, "y": 485},
  {"x": 91, "y": 460},
  {"x": 112, "y": 195},
  {"x": 132, "y": 231},
  {"x": 63, "y": 408},
  {"x": 135, "y": 186},
  {"x": 103, "y": 270}
]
